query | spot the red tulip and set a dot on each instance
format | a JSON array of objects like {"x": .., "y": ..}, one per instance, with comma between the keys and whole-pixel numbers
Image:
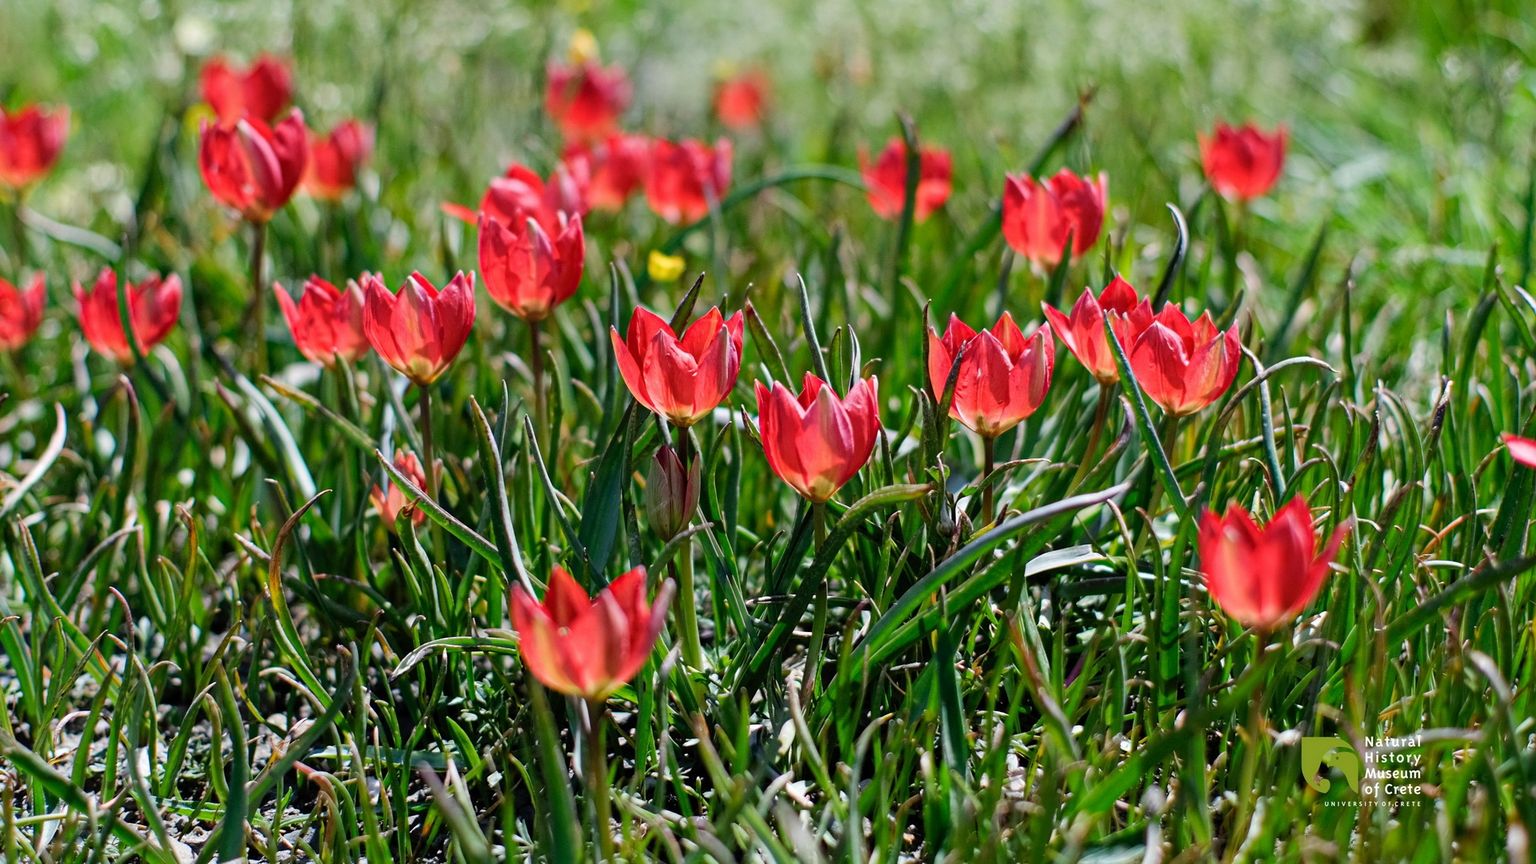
[
  {"x": 1003, "y": 374},
  {"x": 260, "y": 90},
  {"x": 588, "y": 647},
  {"x": 1243, "y": 162},
  {"x": 524, "y": 272},
  {"x": 610, "y": 171},
  {"x": 392, "y": 503},
  {"x": 1264, "y": 577},
  {"x": 1183, "y": 366},
  {"x": 742, "y": 100},
  {"x": 682, "y": 379},
  {"x": 887, "y": 180},
  {"x": 327, "y": 322},
  {"x": 685, "y": 176},
  {"x": 1039, "y": 216},
  {"x": 21, "y": 311},
  {"x": 254, "y": 168},
  {"x": 420, "y": 330},
  {"x": 816, "y": 442},
  {"x": 1083, "y": 332},
  {"x": 1522, "y": 450},
  {"x": 671, "y": 492},
  {"x": 153, "y": 307},
  {"x": 585, "y": 99},
  {"x": 30, "y": 141},
  {"x": 334, "y": 160},
  {"x": 521, "y": 194}
]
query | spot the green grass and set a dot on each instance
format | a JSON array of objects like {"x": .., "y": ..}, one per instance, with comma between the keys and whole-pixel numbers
[{"x": 206, "y": 637}]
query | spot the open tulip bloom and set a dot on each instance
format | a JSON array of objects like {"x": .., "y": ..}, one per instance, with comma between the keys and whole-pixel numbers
[
  {"x": 1003, "y": 374},
  {"x": 526, "y": 272},
  {"x": 254, "y": 168},
  {"x": 21, "y": 311},
  {"x": 1082, "y": 331},
  {"x": 886, "y": 179},
  {"x": 260, "y": 90},
  {"x": 681, "y": 378},
  {"x": 326, "y": 322},
  {"x": 1181, "y": 365},
  {"x": 685, "y": 177},
  {"x": 1243, "y": 162},
  {"x": 585, "y": 99},
  {"x": 421, "y": 330},
  {"x": 520, "y": 193},
  {"x": 610, "y": 170},
  {"x": 336, "y": 158},
  {"x": 31, "y": 139},
  {"x": 1264, "y": 577},
  {"x": 1040, "y": 216},
  {"x": 816, "y": 441},
  {"x": 154, "y": 304}
]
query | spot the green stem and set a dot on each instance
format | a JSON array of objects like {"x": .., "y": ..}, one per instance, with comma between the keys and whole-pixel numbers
[
  {"x": 687, "y": 603},
  {"x": 819, "y": 615},
  {"x": 255, "y": 314},
  {"x": 1100, "y": 415},
  {"x": 428, "y": 463},
  {"x": 19, "y": 232},
  {"x": 988, "y": 461},
  {"x": 597, "y": 779},
  {"x": 1255, "y": 745},
  {"x": 536, "y": 363}
]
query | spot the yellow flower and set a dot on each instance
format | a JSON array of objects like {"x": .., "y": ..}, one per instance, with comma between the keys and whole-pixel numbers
[
  {"x": 664, "y": 267},
  {"x": 583, "y": 46}
]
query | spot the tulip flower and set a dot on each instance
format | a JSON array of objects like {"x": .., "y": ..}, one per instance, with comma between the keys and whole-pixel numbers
[
  {"x": 611, "y": 170},
  {"x": 21, "y": 311},
  {"x": 326, "y": 322},
  {"x": 1243, "y": 162},
  {"x": 684, "y": 177},
  {"x": 682, "y": 379},
  {"x": 153, "y": 307},
  {"x": 815, "y": 441},
  {"x": 1183, "y": 366},
  {"x": 1003, "y": 374},
  {"x": 886, "y": 178},
  {"x": 671, "y": 492},
  {"x": 588, "y": 646},
  {"x": 1522, "y": 450},
  {"x": 1264, "y": 577},
  {"x": 30, "y": 141},
  {"x": 664, "y": 268},
  {"x": 253, "y": 168},
  {"x": 421, "y": 330},
  {"x": 391, "y": 503},
  {"x": 1039, "y": 216},
  {"x": 521, "y": 194},
  {"x": 525, "y": 272},
  {"x": 1083, "y": 331},
  {"x": 586, "y": 98},
  {"x": 742, "y": 100},
  {"x": 260, "y": 90},
  {"x": 335, "y": 158}
]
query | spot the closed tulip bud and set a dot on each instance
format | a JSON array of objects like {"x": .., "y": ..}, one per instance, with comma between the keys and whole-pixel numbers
[
  {"x": 391, "y": 501},
  {"x": 1522, "y": 450},
  {"x": 326, "y": 322},
  {"x": 1040, "y": 216},
  {"x": 684, "y": 178},
  {"x": 886, "y": 178},
  {"x": 1183, "y": 366},
  {"x": 30, "y": 142},
  {"x": 741, "y": 101},
  {"x": 336, "y": 158},
  {"x": 21, "y": 311},
  {"x": 1243, "y": 162},
  {"x": 610, "y": 170},
  {"x": 525, "y": 272},
  {"x": 1083, "y": 331},
  {"x": 420, "y": 330},
  {"x": 1264, "y": 577},
  {"x": 588, "y": 647},
  {"x": 682, "y": 379},
  {"x": 261, "y": 90},
  {"x": 1003, "y": 374},
  {"x": 816, "y": 441},
  {"x": 671, "y": 492},
  {"x": 585, "y": 98},
  {"x": 153, "y": 307},
  {"x": 253, "y": 168}
]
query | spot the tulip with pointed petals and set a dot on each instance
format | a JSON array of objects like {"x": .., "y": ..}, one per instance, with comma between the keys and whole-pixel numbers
[
  {"x": 816, "y": 441},
  {"x": 588, "y": 646},
  {"x": 1264, "y": 577},
  {"x": 253, "y": 168},
  {"x": 1522, "y": 450},
  {"x": 153, "y": 307},
  {"x": 610, "y": 170},
  {"x": 586, "y": 98},
  {"x": 335, "y": 159},
  {"x": 1003, "y": 374},
  {"x": 30, "y": 141},
  {"x": 1181, "y": 365},
  {"x": 1040, "y": 215},
  {"x": 420, "y": 330},
  {"x": 742, "y": 100},
  {"x": 21, "y": 311},
  {"x": 260, "y": 90},
  {"x": 685, "y": 176},
  {"x": 682, "y": 379},
  {"x": 1083, "y": 331},
  {"x": 326, "y": 322},
  {"x": 1243, "y": 162},
  {"x": 391, "y": 502},
  {"x": 521, "y": 194},
  {"x": 886, "y": 178},
  {"x": 526, "y": 272}
]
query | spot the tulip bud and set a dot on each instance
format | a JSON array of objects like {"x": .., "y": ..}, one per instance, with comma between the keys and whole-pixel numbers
[{"x": 671, "y": 492}]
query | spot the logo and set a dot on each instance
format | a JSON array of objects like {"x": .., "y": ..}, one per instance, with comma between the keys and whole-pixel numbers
[
  {"x": 1333, "y": 752},
  {"x": 1386, "y": 770}
]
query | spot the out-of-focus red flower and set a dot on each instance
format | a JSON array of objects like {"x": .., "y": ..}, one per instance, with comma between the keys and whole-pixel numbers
[
  {"x": 671, "y": 492},
  {"x": 326, "y": 322},
  {"x": 741, "y": 101},
  {"x": 30, "y": 141},
  {"x": 392, "y": 503},
  {"x": 1003, "y": 374},
  {"x": 254, "y": 168},
  {"x": 521, "y": 194},
  {"x": 260, "y": 90},
  {"x": 335, "y": 158},
  {"x": 1243, "y": 162},
  {"x": 685, "y": 176},
  {"x": 1264, "y": 577},
  {"x": 1181, "y": 365},
  {"x": 1083, "y": 332},
  {"x": 21, "y": 311},
  {"x": 611, "y": 170},
  {"x": 886, "y": 178},
  {"x": 1039, "y": 216},
  {"x": 525, "y": 272},
  {"x": 586, "y": 98},
  {"x": 154, "y": 304},
  {"x": 1522, "y": 450},
  {"x": 588, "y": 647},
  {"x": 420, "y": 330},
  {"x": 815, "y": 441},
  {"x": 682, "y": 379}
]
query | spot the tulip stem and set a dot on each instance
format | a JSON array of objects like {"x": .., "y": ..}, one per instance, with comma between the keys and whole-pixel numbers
[
  {"x": 19, "y": 230},
  {"x": 988, "y": 460},
  {"x": 536, "y": 362},
  {"x": 1255, "y": 742},
  {"x": 687, "y": 602},
  {"x": 597, "y": 778},
  {"x": 429, "y": 464},
  {"x": 255, "y": 313},
  {"x": 1100, "y": 415}
]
